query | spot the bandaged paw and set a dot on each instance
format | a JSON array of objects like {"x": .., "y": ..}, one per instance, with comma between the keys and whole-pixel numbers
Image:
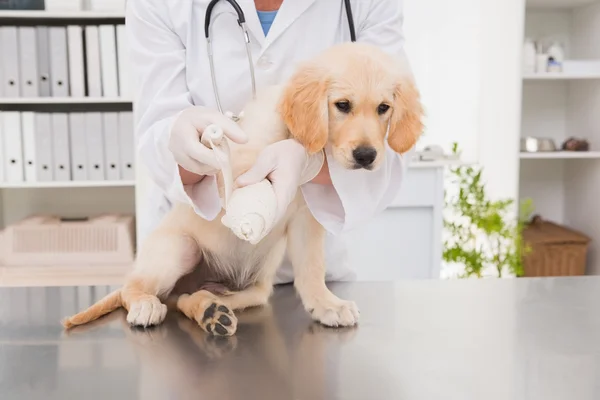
[{"x": 251, "y": 212}]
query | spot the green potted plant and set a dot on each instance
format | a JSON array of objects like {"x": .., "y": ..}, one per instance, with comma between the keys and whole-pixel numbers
[{"x": 482, "y": 234}]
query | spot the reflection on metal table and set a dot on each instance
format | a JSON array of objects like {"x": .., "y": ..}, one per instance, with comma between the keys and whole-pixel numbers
[{"x": 523, "y": 339}]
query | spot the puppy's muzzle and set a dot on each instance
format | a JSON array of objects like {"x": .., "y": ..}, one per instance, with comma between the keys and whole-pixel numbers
[{"x": 364, "y": 156}]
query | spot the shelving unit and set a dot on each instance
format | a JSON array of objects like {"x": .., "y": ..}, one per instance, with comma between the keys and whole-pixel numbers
[
  {"x": 564, "y": 186},
  {"x": 64, "y": 198}
]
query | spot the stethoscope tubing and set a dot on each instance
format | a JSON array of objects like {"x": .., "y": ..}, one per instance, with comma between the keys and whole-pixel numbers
[{"x": 242, "y": 23}]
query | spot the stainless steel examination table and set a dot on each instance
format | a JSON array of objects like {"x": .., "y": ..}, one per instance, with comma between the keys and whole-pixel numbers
[{"x": 520, "y": 339}]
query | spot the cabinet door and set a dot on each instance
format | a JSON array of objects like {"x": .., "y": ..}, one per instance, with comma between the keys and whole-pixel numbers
[{"x": 396, "y": 245}]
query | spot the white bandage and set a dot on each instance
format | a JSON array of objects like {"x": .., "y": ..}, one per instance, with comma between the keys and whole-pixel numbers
[{"x": 249, "y": 211}]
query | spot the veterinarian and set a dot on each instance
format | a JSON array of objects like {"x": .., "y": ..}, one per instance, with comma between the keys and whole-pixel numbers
[{"x": 175, "y": 101}]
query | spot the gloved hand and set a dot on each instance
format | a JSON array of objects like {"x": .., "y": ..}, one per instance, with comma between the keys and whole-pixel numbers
[
  {"x": 184, "y": 141},
  {"x": 287, "y": 165}
]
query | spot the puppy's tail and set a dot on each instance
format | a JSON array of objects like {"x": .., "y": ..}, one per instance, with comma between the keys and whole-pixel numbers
[{"x": 106, "y": 305}]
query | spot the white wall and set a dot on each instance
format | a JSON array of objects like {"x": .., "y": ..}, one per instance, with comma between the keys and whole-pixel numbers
[{"x": 466, "y": 58}]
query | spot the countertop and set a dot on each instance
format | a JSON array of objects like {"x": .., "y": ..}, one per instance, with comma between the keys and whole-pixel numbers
[{"x": 514, "y": 339}]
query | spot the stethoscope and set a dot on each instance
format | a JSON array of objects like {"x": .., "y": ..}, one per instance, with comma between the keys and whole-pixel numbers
[{"x": 242, "y": 24}]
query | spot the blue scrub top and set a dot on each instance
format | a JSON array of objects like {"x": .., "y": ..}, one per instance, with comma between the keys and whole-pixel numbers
[{"x": 266, "y": 19}]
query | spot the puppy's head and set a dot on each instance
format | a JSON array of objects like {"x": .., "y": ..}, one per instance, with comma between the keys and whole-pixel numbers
[{"x": 351, "y": 96}]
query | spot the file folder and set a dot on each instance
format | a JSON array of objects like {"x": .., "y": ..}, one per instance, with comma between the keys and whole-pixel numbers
[
  {"x": 108, "y": 61},
  {"x": 2, "y": 179},
  {"x": 76, "y": 65},
  {"x": 111, "y": 145},
  {"x": 43, "y": 60},
  {"x": 10, "y": 63},
  {"x": 13, "y": 148},
  {"x": 28, "y": 61},
  {"x": 29, "y": 158},
  {"x": 95, "y": 146},
  {"x": 78, "y": 146},
  {"x": 43, "y": 147},
  {"x": 127, "y": 145},
  {"x": 92, "y": 54},
  {"x": 59, "y": 70},
  {"x": 125, "y": 76},
  {"x": 60, "y": 147}
]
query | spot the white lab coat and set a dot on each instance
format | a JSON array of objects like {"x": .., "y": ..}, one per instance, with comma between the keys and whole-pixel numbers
[{"x": 168, "y": 53}]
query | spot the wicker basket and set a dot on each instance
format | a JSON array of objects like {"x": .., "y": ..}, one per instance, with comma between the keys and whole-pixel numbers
[
  {"x": 46, "y": 240},
  {"x": 556, "y": 250}
]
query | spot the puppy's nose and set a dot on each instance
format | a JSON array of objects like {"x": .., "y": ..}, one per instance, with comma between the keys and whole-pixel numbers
[{"x": 364, "y": 155}]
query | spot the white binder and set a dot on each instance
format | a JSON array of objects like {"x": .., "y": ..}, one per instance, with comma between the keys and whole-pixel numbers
[
  {"x": 13, "y": 148},
  {"x": 1, "y": 149},
  {"x": 111, "y": 146},
  {"x": 10, "y": 61},
  {"x": 127, "y": 145},
  {"x": 95, "y": 146},
  {"x": 63, "y": 5},
  {"x": 125, "y": 76},
  {"x": 43, "y": 147},
  {"x": 29, "y": 158},
  {"x": 108, "y": 58},
  {"x": 28, "y": 61},
  {"x": 60, "y": 147},
  {"x": 92, "y": 54},
  {"x": 78, "y": 146},
  {"x": 107, "y": 5},
  {"x": 43, "y": 61},
  {"x": 76, "y": 65},
  {"x": 59, "y": 67}
]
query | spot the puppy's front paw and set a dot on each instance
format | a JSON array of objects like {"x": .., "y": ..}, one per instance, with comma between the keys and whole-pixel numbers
[
  {"x": 335, "y": 312},
  {"x": 148, "y": 311}
]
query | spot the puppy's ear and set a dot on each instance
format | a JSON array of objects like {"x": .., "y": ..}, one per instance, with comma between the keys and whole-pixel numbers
[
  {"x": 406, "y": 125},
  {"x": 304, "y": 107}
]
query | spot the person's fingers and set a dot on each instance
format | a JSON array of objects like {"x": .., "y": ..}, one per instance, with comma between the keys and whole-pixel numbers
[
  {"x": 193, "y": 148},
  {"x": 196, "y": 167},
  {"x": 259, "y": 171},
  {"x": 230, "y": 128}
]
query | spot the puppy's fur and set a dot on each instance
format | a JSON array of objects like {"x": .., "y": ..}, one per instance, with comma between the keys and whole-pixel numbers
[{"x": 350, "y": 96}]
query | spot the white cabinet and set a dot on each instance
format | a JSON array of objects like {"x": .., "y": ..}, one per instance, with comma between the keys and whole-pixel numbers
[{"x": 405, "y": 241}]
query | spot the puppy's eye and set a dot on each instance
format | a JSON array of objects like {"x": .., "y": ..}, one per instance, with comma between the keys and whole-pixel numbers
[
  {"x": 382, "y": 109},
  {"x": 343, "y": 106}
]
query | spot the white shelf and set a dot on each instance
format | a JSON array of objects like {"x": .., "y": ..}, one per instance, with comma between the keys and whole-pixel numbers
[
  {"x": 62, "y": 100},
  {"x": 40, "y": 14},
  {"x": 560, "y": 76},
  {"x": 561, "y": 155},
  {"x": 65, "y": 184},
  {"x": 48, "y": 275},
  {"x": 558, "y": 4}
]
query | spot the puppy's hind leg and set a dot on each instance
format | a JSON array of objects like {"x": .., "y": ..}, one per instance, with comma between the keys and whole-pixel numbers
[
  {"x": 214, "y": 313},
  {"x": 165, "y": 256}
]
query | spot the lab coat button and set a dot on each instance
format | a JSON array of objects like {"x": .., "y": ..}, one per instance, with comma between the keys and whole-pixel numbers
[{"x": 264, "y": 62}]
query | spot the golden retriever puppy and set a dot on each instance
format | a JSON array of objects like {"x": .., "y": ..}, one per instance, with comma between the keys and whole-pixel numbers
[{"x": 352, "y": 96}]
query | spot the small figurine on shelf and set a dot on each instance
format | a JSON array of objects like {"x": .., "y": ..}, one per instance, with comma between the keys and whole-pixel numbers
[{"x": 574, "y": 144}]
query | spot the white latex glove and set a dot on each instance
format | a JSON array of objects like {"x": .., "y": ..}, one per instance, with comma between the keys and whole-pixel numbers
[
  {"x": 184, "y": 141},
  {"x": 287, "y": 165}
]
